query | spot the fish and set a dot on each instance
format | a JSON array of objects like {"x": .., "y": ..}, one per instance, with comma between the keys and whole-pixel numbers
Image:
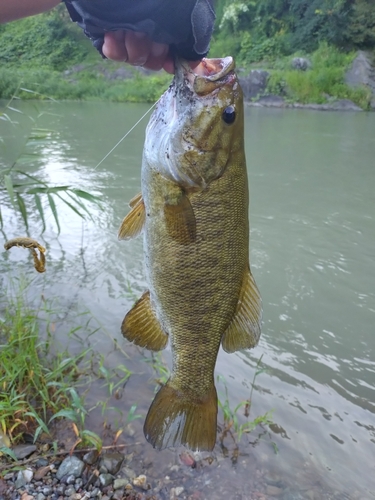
[{"x": 193, "y": 212}]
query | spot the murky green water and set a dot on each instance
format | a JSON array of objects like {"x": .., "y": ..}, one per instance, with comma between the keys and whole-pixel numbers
[{"x": 312, "y": 181}]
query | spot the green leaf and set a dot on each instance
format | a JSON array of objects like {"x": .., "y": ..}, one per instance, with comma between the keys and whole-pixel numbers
[
  {"x": 9, "y": 187},
  {"x": 65, "y": 413},
  {"x": 51, "y": 202},
  {"x": 71, "y": 206},
  {"x": 9, "y": 452},
  {"x": 22, "y": 207},
  {"x": 87, "y": 196},
  {"x": 39, "y": 206}
]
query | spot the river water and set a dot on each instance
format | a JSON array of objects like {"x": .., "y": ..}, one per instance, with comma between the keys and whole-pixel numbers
[{"x": 312, "y": 211}]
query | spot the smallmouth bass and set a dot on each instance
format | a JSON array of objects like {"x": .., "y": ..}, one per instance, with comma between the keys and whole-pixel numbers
[{"x": 193, "y": 210}]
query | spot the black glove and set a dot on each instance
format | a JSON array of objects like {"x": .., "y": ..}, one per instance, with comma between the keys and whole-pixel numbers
[{"x": 186, "y": 25}]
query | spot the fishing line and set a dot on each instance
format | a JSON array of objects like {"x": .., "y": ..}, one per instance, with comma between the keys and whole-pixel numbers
[
  {"x": 126, "y": 135},
  {"x": 58, "y": 203}
]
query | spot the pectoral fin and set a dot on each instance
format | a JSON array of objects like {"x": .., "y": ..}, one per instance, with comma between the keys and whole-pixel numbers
[
  {"x": 180, "y": 220},
  {"x": 244, "y": 330},
  {"x": 133, "y": 223},
  {"x": 135, "y": 200},
  {"x": 142, "y": 327}
]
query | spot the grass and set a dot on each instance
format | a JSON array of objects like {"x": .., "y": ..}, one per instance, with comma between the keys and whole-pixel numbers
[
  {"x": 234, "y": 425},
  {"x": 323, "y": 82},
  {"x": 88, "y": 84},
  {"x": 37, "y": 385},
  {"x": 41, "y": 383}
]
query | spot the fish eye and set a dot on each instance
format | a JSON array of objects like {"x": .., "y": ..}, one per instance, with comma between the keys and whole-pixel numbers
[{"x": 229, "y": 115}]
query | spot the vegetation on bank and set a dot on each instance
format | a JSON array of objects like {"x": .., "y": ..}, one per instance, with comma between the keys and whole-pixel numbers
[{"x": 37, "y": 54}]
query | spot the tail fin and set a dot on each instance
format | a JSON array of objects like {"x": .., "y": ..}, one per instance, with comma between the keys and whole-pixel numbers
[{"x": 175, "y": 419}]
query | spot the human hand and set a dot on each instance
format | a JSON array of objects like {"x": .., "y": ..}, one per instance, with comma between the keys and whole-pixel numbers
[{"x": 137, "y": 49}]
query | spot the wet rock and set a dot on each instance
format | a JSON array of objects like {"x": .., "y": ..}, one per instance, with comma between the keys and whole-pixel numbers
[
  {"x": 23, "y": 450},
  {"x": 273, "y": 480},
  {"x": 129, "y": 472},
  {"x": 23, "y": 477},
  {"x": 187, "y": 459},
  {"x": 254, "y": 83},
  {"x": 293, "y": 495},
  {"x": 120, "y": 483},
  {"x": 118, "y": 495},
  {"x": 105, "y": 479},
  {"x": 273, "y": 491},
  {"x": 141, "y": 482},
  {"x": 91, "y": 457},
  {"x": 175, "y": 492},
  {"x": 70, "y": 466},
  {"x": 112, "y": 462},
  {"x": 301, "y": 63}
]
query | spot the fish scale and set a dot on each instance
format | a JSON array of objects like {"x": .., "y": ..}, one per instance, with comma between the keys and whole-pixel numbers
[{"x": 196, "y": 243}]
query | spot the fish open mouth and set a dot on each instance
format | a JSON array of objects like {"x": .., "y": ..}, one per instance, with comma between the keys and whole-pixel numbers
[{"x": 209, "y": 75}]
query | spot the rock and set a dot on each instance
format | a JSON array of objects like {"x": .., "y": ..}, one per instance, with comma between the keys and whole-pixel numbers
[
  {"x": 175, "y": 492},
  {"x": 70, "y": 479},
  {"x": 293, "y": 495},
  {"x": 105, "y": 479},
  {"x": 23, "y": 450},
  {"x": 271, "y": 101},
  {"x": 118, "y": 495},
  {"x": 273, "y": 480},
  {"x": 273, "y": 491},
  {"x": 47, "y": 490},
  {"x": 91, "y": 457},
  {"x": 112, "y": 462},
  {"x": 26, "y": 496},
  {"x": 120, "y": 483},
  {"x": 40, "y": 496},
  {"x": 141, "y": 482},
  {"x": 69, "y": 491},
  {"x": 301, "y": 63},
  {"x": 70, "y": 466},
  {"x": 254, "y": 83},
  {"x": 95, "y": 492},
  {"x": 345, "y": 105},
  {"x": 41, "y": 462},
  {"x": 129, "y": 472},
  {"x": 361, "y": 72},
  {"x": 23, "y": 477}
]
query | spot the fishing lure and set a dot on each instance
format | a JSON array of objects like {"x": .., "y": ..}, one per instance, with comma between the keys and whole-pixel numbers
[{"x": 31, "y": 244}]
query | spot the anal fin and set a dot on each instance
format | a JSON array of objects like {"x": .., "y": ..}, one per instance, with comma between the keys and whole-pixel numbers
[
  {"x": 244, "y": 329},
  {"x": 133, "y": 223},
  {"x": 142, "y": 327}
]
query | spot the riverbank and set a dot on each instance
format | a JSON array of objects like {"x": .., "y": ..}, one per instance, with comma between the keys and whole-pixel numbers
[{"x": 321, "y": 82}]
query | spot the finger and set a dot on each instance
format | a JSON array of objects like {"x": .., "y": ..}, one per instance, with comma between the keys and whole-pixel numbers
[
  {"x": 138, "y": 47},
  {"x": 114, "y": 46},
  {"x": 157, "y": 56}
]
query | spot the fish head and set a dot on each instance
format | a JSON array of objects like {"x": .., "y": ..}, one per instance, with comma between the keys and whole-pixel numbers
[{"x": 197, "y": 124}]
